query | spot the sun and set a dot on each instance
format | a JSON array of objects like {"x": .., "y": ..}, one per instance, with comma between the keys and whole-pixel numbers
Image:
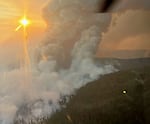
[{"x": 24, "y": 22}]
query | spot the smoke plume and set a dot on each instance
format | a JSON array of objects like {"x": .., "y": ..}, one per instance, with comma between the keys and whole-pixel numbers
[{"x": 72, "y": 27}]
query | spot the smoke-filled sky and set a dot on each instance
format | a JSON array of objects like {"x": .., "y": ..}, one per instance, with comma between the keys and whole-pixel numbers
[
  {"x": 32, "y": 79},
  {"x": 34, "y": 87},
  {"x": 129, "y": 29},
  {"x": 12, "y": 10},
  {"x": 130, "y": 24}
]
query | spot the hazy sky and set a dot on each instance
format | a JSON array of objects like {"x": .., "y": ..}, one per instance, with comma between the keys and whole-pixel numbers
[
  {"x": 130, "y": 30},
  {"x": 130, "y": 27},
  {"x": 12, "y": 10}
]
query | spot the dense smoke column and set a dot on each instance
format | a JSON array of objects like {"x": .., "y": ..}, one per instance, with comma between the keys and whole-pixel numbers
[
  {"x": 66, "y": 22},
  {"x": 72, "y": 27}
]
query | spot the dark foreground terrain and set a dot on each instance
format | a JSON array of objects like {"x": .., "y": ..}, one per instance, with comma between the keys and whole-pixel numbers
[{"x": 119, "y": 98}]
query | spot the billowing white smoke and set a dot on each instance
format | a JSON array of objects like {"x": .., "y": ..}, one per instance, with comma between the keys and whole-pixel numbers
[{"x": 37, "y": 94}]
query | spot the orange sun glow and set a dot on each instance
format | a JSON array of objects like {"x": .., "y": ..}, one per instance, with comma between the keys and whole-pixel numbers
[{"x": 24, "y": 22}]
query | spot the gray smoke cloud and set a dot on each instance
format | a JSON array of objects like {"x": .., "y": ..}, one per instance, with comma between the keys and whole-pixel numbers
[{"x": 37, "y": 93}]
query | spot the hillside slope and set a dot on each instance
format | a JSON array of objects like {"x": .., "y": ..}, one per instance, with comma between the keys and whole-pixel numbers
[
  {"x": 124, "y": 64},
  {"x": 118, "y": 98}
]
